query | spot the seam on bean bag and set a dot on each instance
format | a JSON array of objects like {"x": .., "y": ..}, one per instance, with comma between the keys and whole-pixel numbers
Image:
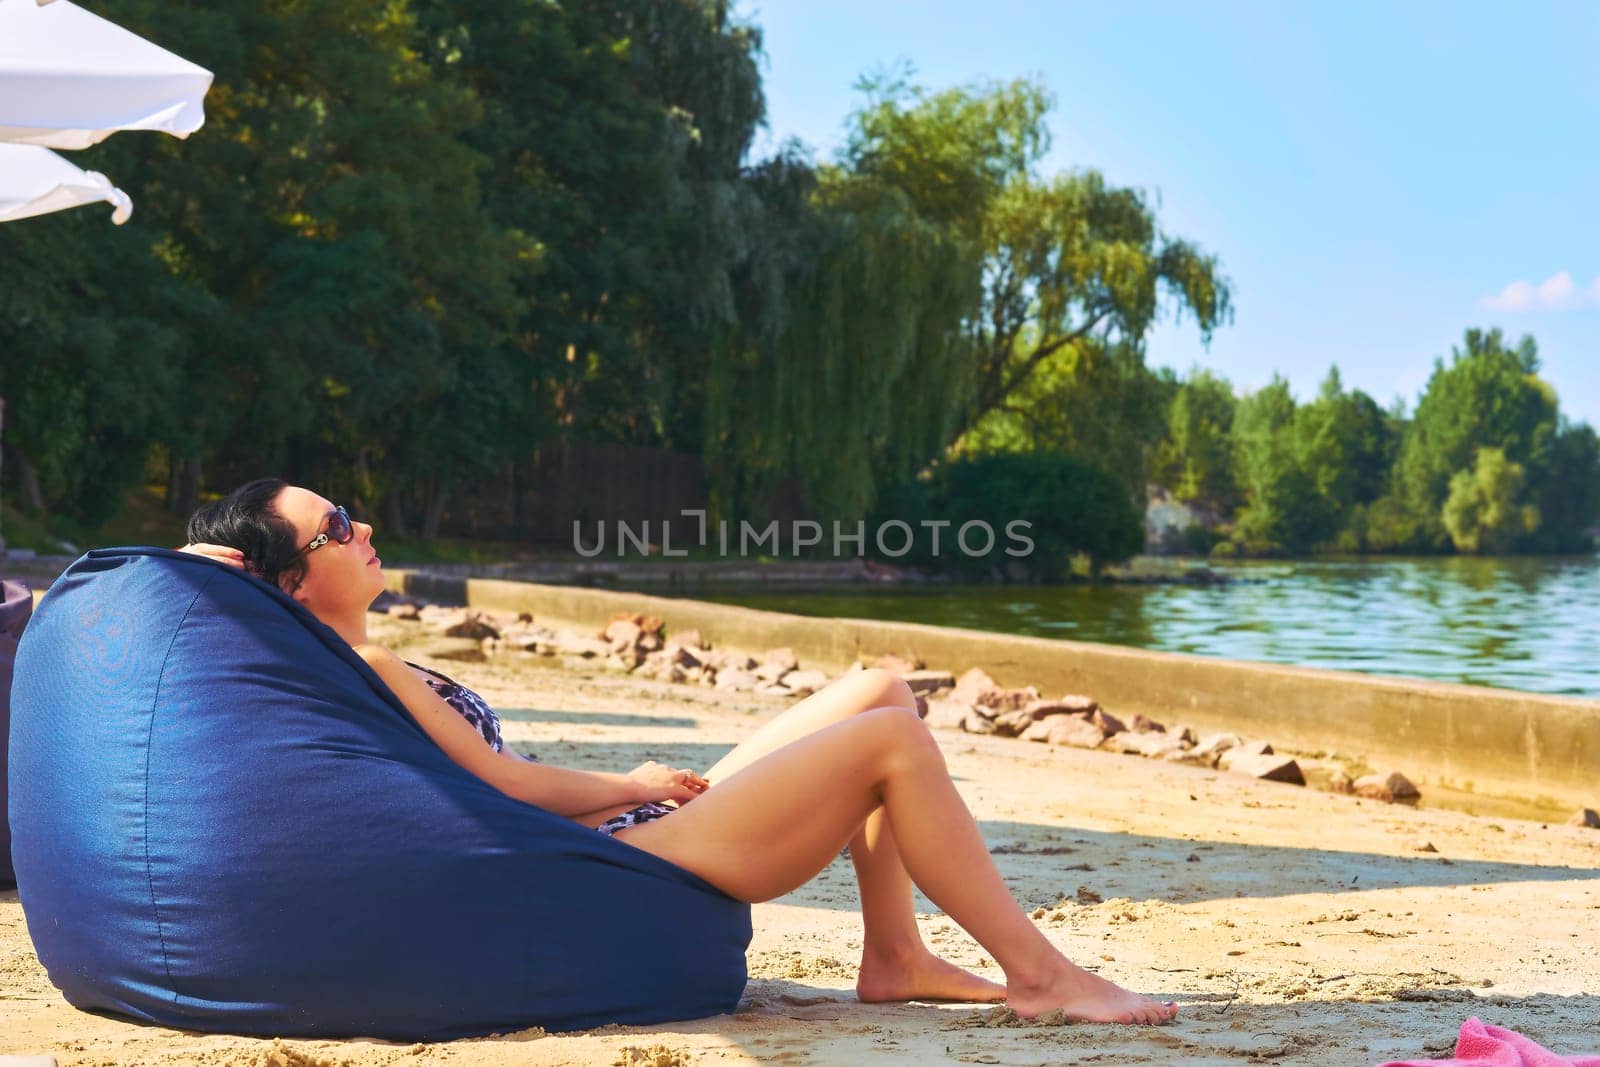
[{"x": 149, "y": 741}]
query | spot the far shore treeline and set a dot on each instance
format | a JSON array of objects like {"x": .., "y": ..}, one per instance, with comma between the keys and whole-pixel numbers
[{"x": 417, "y": 241}]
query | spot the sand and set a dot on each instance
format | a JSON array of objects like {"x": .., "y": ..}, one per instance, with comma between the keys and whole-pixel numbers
[{"x": 1292, "y": 926}]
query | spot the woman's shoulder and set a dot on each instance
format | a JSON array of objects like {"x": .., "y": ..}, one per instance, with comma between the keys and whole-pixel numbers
[{"x": 380, "y": 659}]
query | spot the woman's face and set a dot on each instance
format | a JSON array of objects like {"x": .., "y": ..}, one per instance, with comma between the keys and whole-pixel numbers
[{"x": 339, "y": 578}]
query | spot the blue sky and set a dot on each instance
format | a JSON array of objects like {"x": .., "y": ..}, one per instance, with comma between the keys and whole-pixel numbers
[{"x": 1374, "y": 177}]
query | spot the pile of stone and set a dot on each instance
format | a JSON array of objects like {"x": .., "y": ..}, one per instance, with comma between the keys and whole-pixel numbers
[
  {"x": 974, "y": 703},
  {"x": 632, "y": 642},
  {"x": 688, "y": 657}
]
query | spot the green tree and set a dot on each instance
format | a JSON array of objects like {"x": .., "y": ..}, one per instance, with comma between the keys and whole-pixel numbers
[
  {"x": 1195, "y": 459},
  {"x": 1283, "y": 509},
  {"x": 88, "y": 362},
  {"x": 1101, "y": 407},
  {"x": 1068, "y": 261},
  {"x": 1345, "y": 444},
  {"x": 847, "y": 371},
  {"x": 1484, "y": 512},
  {"x": 1569, "y": 502},
  {"x": 1070, "y": 508},
  {"x": 1488, "y": 396}
]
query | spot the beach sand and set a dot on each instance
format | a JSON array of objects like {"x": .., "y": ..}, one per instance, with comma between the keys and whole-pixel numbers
[{"x": 1292, "y": 926}]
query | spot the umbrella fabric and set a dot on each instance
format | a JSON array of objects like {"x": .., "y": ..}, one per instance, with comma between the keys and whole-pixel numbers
[
  {"x": 35, "y": 181},
  {"x": 69, "y": 79}
]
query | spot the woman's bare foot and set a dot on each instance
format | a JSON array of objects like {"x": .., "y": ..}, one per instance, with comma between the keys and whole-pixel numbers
[
  {"x": 920, "y": 975},
  {"x": 1085, "y": 997}
]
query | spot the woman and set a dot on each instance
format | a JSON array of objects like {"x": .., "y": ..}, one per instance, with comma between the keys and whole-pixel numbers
[{"x": 851, "y": 764}]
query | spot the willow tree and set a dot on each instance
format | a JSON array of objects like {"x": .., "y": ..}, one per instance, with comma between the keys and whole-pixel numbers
[
  {"x": 849, "y": 366},
  {"x": 1074, "y": 271}
]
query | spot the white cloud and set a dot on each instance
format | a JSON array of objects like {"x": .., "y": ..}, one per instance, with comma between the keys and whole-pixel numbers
[{"x": 1556, "y": 293}]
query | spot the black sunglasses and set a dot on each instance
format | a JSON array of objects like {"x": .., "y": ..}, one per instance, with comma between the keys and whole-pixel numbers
[{"x": 339, "y": 530}]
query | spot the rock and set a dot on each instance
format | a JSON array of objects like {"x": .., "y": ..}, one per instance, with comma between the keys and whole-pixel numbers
[
  {"x": 689, "y": 639},
  {"x": 1038, "y": 730},
  {"x": 405, "y": 612},
  {"x": 1139, "y": 724},
  {"x": 985, "y": 711},
  {"x": 784, "y": 656},
  {"x": 922, "y": 681},
  {"x": 1340, "y": 782},
  {"x": 773, "y": 689},
  {"x": 1109, "y": 724},
  {"x": 570, "y": 644},
  {"x": 1064, "y": 706},
  {"x": 1071, "y": 704},
  {"x": 617, "y": 661},
  {"x": 1585, "y": 817},
  {"x": 1241, "y": 751},
  {"x": 647, "y": 623},
  {"x": 628, "y": 656},
  {"x": 621, "y": 633},
  {"x": 922, "y": 705},
  {"x": 1392, "y": 787},
  {"x": 900, "y": 665},
  {"x": 1012, "y": 723},
  {"x": 736, "y": 679},
  {"x": 771, "y": 672},
  {"x": 1074, "y": 731},
  {"x": 1268, "y": 767},
  {"x": 1184, "y": 734},
  {"x": 1423, "y": 846},
  {"x": 1152, "y": 745},
  {"x": 1209, "y": 749},
  {"x": 972, "y": 685},
  {"x": 657, "y": 665},
  {"x": 805, "y": 682},
  {"x": 501, "y": 620},
  {"x": 686, "y": 655},
  {"x": 977, "y": 723},
  {"x": 1011, "y": 699},
  {"x": 472, "y": 625},
  {"x": 724, "y": 661},
  {"x": 944, "y": 714}
]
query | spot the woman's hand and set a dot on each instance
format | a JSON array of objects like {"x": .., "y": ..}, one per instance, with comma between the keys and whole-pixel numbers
[
  {"x": 221, "y": 553},
  {"x": 657, "y": 781}
]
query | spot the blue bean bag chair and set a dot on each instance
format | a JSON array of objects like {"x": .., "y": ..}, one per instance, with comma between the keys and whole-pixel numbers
[{"x": 223, "y": 820}]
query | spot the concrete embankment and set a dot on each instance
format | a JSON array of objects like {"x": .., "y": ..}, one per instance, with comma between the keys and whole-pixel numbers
[{"x": 1492, "y": 743}]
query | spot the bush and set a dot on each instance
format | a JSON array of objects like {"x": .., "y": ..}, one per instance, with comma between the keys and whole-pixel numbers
[{"x": 1071, "y": 508}]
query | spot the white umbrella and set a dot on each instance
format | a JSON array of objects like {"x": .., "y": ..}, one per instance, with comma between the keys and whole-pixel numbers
[
  {"x": 35, "y": 181},
  {"x": 69, "y": 79}
]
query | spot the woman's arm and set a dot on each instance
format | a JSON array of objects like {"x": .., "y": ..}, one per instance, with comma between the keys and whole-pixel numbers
[{"x": 558, "y": 789}]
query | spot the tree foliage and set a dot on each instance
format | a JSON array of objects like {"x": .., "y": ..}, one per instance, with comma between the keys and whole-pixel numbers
[
  {"x": 417, "y": 239},
  {"x": 1484, "y": 511}
]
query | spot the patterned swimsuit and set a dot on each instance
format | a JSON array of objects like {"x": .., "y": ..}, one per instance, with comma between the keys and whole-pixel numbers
[{"x": 483, "y": 719}]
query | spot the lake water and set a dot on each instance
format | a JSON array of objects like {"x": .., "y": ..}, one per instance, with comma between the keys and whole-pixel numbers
[{"x": 1514, "y": 623}]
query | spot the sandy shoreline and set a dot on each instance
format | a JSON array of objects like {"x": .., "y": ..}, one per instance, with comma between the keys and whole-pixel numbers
[{"x": 1293, "y": 926}]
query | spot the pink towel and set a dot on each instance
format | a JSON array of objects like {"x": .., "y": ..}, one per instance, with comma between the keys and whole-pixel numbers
[{"x": 1495, "y": 1046}]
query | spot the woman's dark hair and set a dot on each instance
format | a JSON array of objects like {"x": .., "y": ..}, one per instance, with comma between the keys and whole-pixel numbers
[{"x": 245, "y": 519}]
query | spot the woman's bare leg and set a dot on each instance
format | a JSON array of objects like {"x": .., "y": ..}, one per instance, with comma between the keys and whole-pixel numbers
[
  {"x": 895, "y": 963},
  {"x": 770, "y": 828}
]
